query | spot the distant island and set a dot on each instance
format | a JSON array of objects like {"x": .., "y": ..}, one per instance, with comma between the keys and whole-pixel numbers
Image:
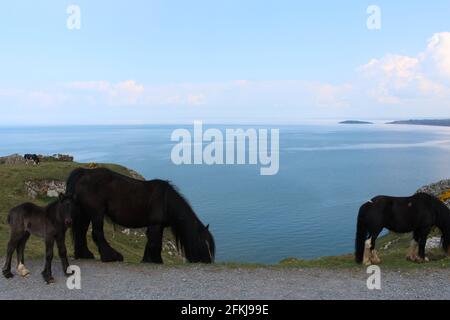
[
  {"x": 435, "y": 122},
  {"x": 354, "y": 122}
]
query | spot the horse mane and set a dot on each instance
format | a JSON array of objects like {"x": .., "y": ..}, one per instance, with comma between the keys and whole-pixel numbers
[
  {"x": 52, "y": 206},
  {"x": 185, "y": 225}
]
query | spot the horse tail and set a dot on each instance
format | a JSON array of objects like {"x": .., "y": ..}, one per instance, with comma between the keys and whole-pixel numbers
[
  {"x": 8, "y": 218},
  {"x": 15, "y": 212},
  {"x": 72, "y": 180},
  {"x": 361, "y": 233}
]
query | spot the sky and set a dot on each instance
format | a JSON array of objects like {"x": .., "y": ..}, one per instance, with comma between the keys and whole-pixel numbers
[{"x": 144, "y": 62}]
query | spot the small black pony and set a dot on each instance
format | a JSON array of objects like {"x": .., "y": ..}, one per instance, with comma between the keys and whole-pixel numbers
[
  {"x": 155, "y": 204},
  {"x": 418, "y": 214},
  {"x": 49, "y": 223}
]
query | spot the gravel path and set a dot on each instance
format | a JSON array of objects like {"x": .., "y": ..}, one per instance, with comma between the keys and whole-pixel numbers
[{"x": 124, "y": 281}]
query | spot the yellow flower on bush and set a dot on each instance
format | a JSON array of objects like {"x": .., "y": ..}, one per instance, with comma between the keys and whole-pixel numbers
[{"x": 445, "y": 196}]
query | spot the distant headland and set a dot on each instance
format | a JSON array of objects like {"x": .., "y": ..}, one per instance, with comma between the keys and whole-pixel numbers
[
  {"x": 430, "y": 122},
  {"x": 354, "y": 122}
]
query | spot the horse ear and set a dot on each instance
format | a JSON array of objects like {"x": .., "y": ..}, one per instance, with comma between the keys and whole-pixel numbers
[{"x": 207, "y": 227}]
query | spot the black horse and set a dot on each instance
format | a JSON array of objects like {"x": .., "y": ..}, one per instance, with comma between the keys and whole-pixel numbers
[
  {"x": 32, "y": 157},
  {"x": 155, "y": 205},
  {"x": 49, "y": 223},
  {"x": 418, "y": 214}
]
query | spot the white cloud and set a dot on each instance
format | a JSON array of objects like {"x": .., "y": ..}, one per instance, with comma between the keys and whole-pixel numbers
[
  {"x": 122, "y": 93},
  {"x": 391, "y": 85},
  {"x": 238, "y": 93},
  {"x": 439, "y": 50},
  {"x": 89, "y": 85},
  {"x": 196, "y": 99},
  {"x": 328, "y": 95},
  {"x": 37, "y": 98},
  {"x": 399, "y": 79}
]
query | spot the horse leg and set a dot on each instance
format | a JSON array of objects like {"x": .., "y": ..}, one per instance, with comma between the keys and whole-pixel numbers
[
  {"x": 21, "y": 269},
  {"x": 422, "y": 243},
  {"x": 62, "y": 252},
  {"x": 80, "y": 229},
  {"x": 12, "y": 245},
  {"x": 153, "y": 247},
  {"x": 107, "y": 253},
  {"x": 412, "y": 251},
  {"x": 373, "y": 253},
  {"x": 47, "y": 273},
  {"x": 367, "y": 254}
]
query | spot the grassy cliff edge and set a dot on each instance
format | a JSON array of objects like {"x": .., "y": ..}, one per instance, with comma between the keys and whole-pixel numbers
[{"x": 13, "y": 178}]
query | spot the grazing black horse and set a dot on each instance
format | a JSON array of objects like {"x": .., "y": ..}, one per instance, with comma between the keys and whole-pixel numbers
[
  {"x": 155, "y": 204},
  {"x": 49, "y": 223},
  {"x": 417, "y": 214},
  {"x": 32, "y": 157}
]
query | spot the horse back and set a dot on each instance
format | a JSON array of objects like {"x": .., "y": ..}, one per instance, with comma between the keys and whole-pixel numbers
[
  {"x": 28, "y": 217},
  {"x": 404, "y": 214},
  {"x": 124, "y": 200}
]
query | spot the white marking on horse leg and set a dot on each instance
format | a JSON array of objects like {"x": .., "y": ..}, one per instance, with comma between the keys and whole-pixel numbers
[
  {"x": 367, "y": 254},
  {"x": 22, "y": 270},
  {"x": 412, "y": 252},
  {"x": 375, "y": 259}
]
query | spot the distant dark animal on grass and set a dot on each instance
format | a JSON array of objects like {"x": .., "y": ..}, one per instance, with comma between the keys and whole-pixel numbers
[
  {"x": 31, "y": 158},
  {"x": 131, "y": 203},
  {"x": 49, "y": 223},
  {"x": 418, "y": 214}
]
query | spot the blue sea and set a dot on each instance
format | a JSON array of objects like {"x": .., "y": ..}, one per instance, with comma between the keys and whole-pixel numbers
[{"x": 307, "y": 210}]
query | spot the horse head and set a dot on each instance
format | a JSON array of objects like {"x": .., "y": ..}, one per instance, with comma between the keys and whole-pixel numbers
[
  {"x": 65, "y": 209},
  {"x": 206, "y": 245}
]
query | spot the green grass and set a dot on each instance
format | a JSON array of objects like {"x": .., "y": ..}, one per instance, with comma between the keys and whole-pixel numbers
[
  {"x": 394, "y": 257},
  {"x": 12, "y": 193}
]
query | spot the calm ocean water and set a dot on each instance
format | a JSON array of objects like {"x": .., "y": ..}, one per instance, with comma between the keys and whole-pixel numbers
[{"x": 307, "y": 210}]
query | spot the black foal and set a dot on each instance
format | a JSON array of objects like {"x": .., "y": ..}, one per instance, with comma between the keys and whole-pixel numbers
[{"x": 49, "y": 223}]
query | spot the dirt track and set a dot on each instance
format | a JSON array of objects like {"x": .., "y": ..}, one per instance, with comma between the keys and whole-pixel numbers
[{"x": 123, "y": 281}]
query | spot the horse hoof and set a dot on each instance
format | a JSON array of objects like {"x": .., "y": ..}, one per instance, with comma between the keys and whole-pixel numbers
[
  {"x": 84, "y": 255},
  {"x": 8, "y": 274},
  {"x": 25, "y": 274},
  {"x": 118, "y": 257},
  {"x": 376, "y": 261},
  {"x": 112, "y": 257},
  {"x": 150, "y": 261},
  {"x": 412, "y": 258},
  {"x": 49, "y": 280},
  {"x": 22, "y": 270},
  {"x": 422, "y": 260}
]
